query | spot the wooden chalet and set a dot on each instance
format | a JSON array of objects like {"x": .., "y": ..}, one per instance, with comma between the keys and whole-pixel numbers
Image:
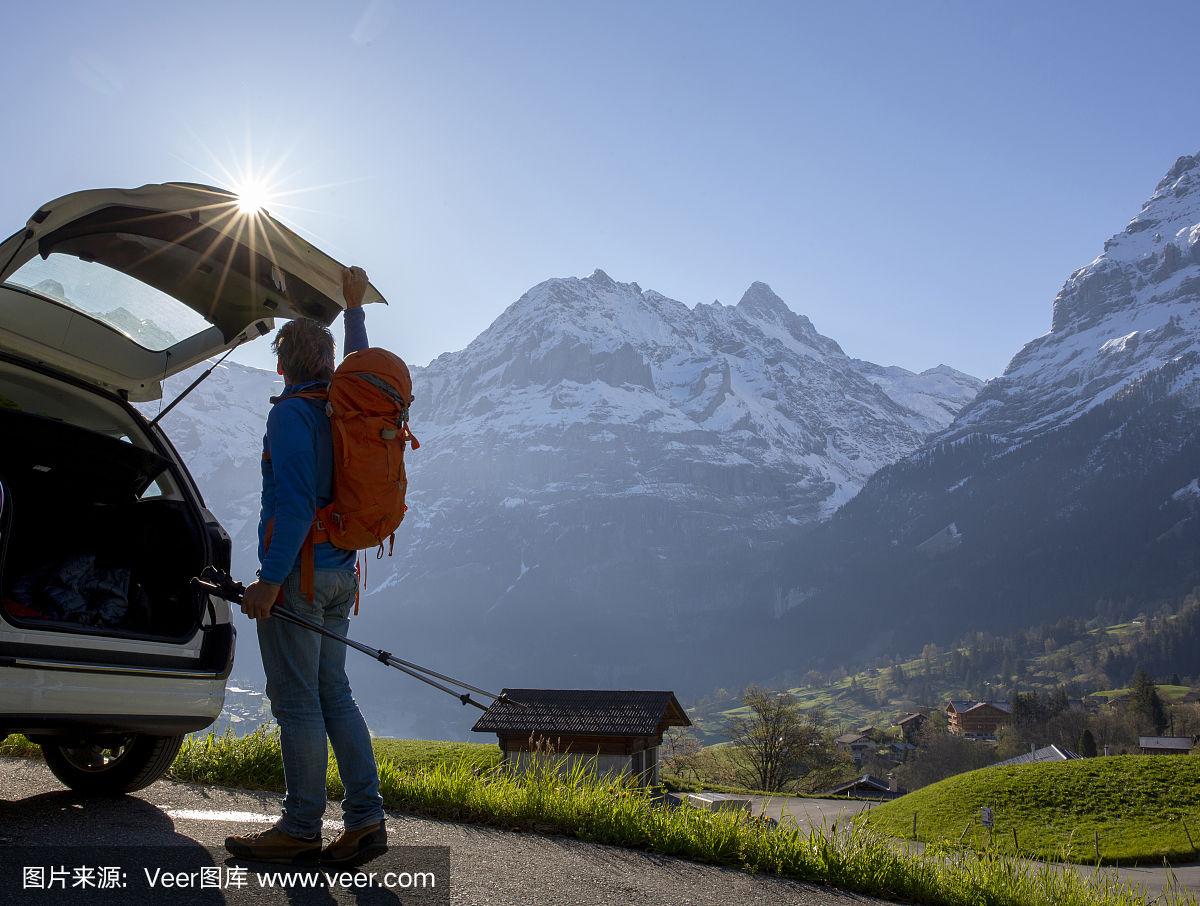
[
  {"x": 617, "y": 731},
  {"x": 976, "y": 720},
  {"x": 910, "y": 725},
  {"x": 857, "y": 744}
]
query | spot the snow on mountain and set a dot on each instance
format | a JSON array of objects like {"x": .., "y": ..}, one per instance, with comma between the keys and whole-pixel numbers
[
  {"x": 1130, "y": 311},
  {"x": 751, "y": 387},
  {"x": 936, "y": 394}
]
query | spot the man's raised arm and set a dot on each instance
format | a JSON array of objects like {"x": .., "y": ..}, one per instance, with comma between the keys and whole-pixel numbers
[{"x": 354, "y": 320}]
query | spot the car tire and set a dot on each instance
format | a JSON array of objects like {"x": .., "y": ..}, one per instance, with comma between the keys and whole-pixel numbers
[{"x": 110, "y": 766}]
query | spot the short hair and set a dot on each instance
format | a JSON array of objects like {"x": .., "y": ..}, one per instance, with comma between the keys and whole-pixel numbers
[{"x": 305, "y": 349}]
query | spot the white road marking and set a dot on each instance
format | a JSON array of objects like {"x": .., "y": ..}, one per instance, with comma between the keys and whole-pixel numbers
[{"x": 229, "y": 817}]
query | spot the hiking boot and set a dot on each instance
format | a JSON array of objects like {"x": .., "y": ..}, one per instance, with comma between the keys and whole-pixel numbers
[
  {"x": 354, "y": 847},
  {"x": 273, "y": 845}
]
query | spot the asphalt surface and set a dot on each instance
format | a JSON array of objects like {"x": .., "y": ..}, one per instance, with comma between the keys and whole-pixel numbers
[
  {"x": 486, "y": 866},
  {"x": 818, "y": 813}
]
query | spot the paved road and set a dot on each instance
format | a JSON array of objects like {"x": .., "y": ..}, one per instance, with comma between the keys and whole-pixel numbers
[
  {"x": 819, "y": 813},
  {"x": 487, "y": 866}
]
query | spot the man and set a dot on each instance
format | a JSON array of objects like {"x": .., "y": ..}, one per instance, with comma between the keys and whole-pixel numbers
[{"x": 306, "y": 673}]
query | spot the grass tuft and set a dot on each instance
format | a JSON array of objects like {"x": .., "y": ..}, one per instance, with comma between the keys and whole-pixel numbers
[{"x": 17, "y": 746}]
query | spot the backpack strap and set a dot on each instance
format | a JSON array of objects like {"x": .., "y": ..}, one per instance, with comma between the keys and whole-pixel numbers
[
  {"x": 313, "y": 393},
  {"x": 318, "y": 533},
  {"x": 407, "y": 435}
]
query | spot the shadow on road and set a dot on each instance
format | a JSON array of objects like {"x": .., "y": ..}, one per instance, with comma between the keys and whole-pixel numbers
[{"x": 105, "y": 850}]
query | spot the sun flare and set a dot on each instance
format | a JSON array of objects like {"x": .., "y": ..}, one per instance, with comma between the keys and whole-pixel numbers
[
  {"x": 263, "y": 191},
  {"x": 252, "y": 197}
]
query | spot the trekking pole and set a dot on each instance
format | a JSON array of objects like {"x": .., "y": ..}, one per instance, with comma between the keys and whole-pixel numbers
[{"x": 224, "y": 586}]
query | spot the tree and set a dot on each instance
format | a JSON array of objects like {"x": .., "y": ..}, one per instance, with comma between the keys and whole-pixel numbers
[
  {"x": 941, "y": 754},
  {"x": 1087, "y": 744},
  {"x": 775, "y": 743},
  {"x": 1146, "y": 705},
  {"x": 681, "y": 753}
]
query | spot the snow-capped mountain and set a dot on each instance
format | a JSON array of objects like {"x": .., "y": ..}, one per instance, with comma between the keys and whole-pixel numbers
[
  {"x": 1063, "y": 488},
  {"x": 600, "y": 471},
  {"x": 1127, "y": 313},
  {"x": 582, "y": 377}
]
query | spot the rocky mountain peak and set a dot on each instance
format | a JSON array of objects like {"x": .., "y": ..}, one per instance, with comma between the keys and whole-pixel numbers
[
  {"x": 1163, "y": 237},
  {"x": 759, "y": 298},
  {"x": 761, "y": 303},
  {"x": 1183, "y": 164},
  {"x": 1123, "y": 315},
  {"x": 601, "y": 278}
]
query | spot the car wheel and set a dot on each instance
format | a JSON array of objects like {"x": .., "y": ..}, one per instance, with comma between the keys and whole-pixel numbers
[{"x": 111, "y": 765}]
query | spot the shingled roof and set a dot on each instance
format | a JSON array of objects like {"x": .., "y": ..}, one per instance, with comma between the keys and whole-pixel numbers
[
  {"x": 583, "y": 712},
  {"x": 963, "y": 706}
]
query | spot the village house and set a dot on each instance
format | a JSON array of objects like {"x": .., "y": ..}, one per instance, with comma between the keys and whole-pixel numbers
[
  {"x": 619, "y": 732},
  {"x": 857, "y": 744},
  {"x": 910, "y": 725},
  {"x": 900, "y": 752},
  {"x": 976, "y": 720},
  {"x": 1165, "y": 745}
]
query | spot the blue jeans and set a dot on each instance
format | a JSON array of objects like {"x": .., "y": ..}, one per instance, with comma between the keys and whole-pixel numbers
[{"x": 311, "y": 700}]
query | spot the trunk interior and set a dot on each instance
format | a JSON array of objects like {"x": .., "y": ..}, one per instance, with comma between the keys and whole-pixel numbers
[{"x": 88, "y": 541}]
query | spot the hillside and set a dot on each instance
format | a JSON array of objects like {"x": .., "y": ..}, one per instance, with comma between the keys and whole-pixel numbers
[
  {"x": 600, "y": 471},
  {"x": 1088, "y": 661},
  {"x": 1064, "y": 489},
  {"x": 1141, "y": 809}
]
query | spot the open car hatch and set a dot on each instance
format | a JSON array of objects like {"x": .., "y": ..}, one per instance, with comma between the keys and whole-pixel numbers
[{"x": 125, "y": 287}]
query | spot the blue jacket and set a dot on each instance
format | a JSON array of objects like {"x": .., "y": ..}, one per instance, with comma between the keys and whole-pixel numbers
[{"x": 297, "y": 472}]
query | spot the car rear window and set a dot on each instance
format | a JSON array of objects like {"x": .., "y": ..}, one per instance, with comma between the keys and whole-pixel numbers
[{"x": 150, "y": 318}]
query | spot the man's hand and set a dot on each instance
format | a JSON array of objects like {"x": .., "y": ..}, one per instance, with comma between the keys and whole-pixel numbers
[
  {"x": 259, "y": 598},
  {"x": 354, "y": 286}
]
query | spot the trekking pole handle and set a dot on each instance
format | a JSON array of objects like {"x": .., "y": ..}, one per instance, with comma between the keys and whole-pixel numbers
[{"x": 220, "y": 584}]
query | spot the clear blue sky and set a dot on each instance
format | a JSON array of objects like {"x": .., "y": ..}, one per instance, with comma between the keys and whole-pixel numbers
[{"x": 918, "y": 178}]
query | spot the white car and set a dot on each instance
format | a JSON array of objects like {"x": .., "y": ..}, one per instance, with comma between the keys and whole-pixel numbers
[{"x": 109, "y": 654}]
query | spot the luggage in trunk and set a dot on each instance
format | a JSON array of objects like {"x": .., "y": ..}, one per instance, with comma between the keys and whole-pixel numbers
[{"x": 87, "y": 546}]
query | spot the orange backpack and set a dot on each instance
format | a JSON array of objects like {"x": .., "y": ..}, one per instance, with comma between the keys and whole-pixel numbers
[{"x": 367, "y": 403}]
